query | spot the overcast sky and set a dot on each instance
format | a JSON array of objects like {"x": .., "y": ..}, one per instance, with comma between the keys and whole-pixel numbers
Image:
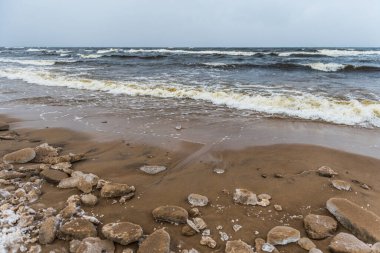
[{"x": 170, "y": 23}]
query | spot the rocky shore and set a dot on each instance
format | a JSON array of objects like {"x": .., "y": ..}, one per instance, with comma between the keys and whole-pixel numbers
[{"x": 63, "y": 193}]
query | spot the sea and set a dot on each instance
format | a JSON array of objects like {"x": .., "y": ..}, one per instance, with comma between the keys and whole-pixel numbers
[{"x": 331, "y": 85}]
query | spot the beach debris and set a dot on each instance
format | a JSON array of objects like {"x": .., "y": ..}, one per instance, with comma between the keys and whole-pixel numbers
[
  {"x": 219, "y": 170},
  {"x": 197, "y": 199},
  {"x": 111, "y": 190},
  {"x": 344, "y": 242},
  {"x": 319, "y": 226},
  {"x": 306, "y": 243},
  {"x": 208, "y": 241},
  {"x": 48, "y": 230},
  {"x": 157, "y": 242},
  {"x": 77, "y": 228},
  {"x": 244, "y": 197},
  {"x": 188, "y": 230},
  {"x": 223, "y": 236},
  {"x": 362, "y": 223},
  {"x": 94, "y": 245},
  {"x": 122, "y": 232},
  {"x": 4, "y": 126},
  {"x": 238, "y": 246},
  {"x": 89, "y": 199},
  {"x": 326, "y": 171},
  {"x": 278, "y": 208},
  {"x": 20, "y": 156},
  {"x": 53, "y": 176},
  {"x": 197, "y": 224},
  {"x": 152, "y": 169},
  {"x": 236, "y": 227},
  {"x": 341, "y": 185},
  {"x": 172, "y": 214},
  {"x": 282, "y": 235}
]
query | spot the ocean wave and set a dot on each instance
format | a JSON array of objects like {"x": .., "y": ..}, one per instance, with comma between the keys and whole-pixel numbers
[
  {"x": 106, "y": 51},
  {"x": 29, "y": 62},
  {"x": 90, "y": 56},
  {"x": 200, "y": 52},
  {"x": 303, "y": 105},
  {"x": 330, "y": 53},
  {"x": 326, "y": 67}
]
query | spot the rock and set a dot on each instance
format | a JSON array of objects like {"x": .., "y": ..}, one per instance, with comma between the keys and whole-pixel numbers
[
  {"x": 376, "y": 248},
  {"x": 362, "y": 223},
  {"x": 341, "y": 185},
  {"x": 245, "y": 197},
  {"x": 4, "y": 174},
  {"x": 84, "y": 185},
  {"x": 157, "y": 242},
  {"x": 69, "y": 211},
  {"x": 78, "y": 229},
  {"x": 197, "y": 199},
  {"x": 4, "y": 126},
  {"x": 21, "y": 156},
  {"x": 282, "y": 235},
  {"x": 347, "y": 243},
  {"x": 188, "y": 230},
  {"x": 208, "y": 241},
  {"x": 277, "y": 208},
  {"x": 306, "y": 243},
  {"x": 127, "y": 250},
  {"x": 122, "y": 232},
  {"x": 65, "y": 167},
  {"x": 53, "y": 176},
  {"x": 173, "y": 214},
  {"x": 34, "y": 169},
  {"x": 111, "y": 190},
  {"x": 238, "y": 246},
  {"x": 325, "y": 171},
  {"x": 261, "y": 246},
  {"x": 48, "y": 230},
  {"x": 35, "y": 249},
  {"x": 319, "y": 226},
  {"x": 193, "y": 212},
  {"x": 95, "y": 245},
  {"x": 315, "y": 250},
  {"x": 197, "y": 224},
  {"x": 263, "y": 202},
  {"x": 74, "y": 244},
  {"x": 152, "y": 170},
  {"x": 264, "y": 196},
  {"x": 44, "y": 151},
  {"x": 70, "y": 182},
  {"x": 89, "y": 199}
]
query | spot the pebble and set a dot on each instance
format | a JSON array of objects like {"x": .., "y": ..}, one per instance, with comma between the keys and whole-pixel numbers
[
  {"x": 347, "y": 243},
  {"x": 173, "y": 214},
  {"x": 278, "y": 208},
  {"x": 319, "y": 226},
  {"x": 48, "y": 230},
  {"x": 188, "y": 230},
  {"x": 89, "y": 199},
  {"x": 326, "y": 171},
  {"x": 362, "y": 223},
  {"x": 341, "y": 185},
  {"x": 111, "y": 190},
  {"x": 157, "y": 242},
  {"x": 282, "y": 235},
  {"x": 197, "y": 199},
  {"x": 315, "y": 250},
  {"x": 238, "y": 246},
  {"x": 122, "y": 232},
  {"x": 95, "y": 245},
  {"x": 306, "y": 243},
  {"x": 208, "y": 241},
  {"x": 152, "y": 169},
  {"x": 53, "y": 176},
  {"x": 21, "y": 156},
  {"x": 244, "y": 197},
  {"x": 78, "y": 229}
]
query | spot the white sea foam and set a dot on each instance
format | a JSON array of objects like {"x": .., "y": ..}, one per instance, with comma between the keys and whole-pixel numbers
[
  {"x": 302, "y": 105},
  {"x": 90, "y": 56},
  {"x": 203, "y": 52},
  {"x": 106, "y": 51},
  {"x": 35, "y": 50},
  {"x": 326, "y": 67},
  {"x": 333, "y": 52},
  {"x": 215, "y": 64},
  {"x": 28, "y": 62}
]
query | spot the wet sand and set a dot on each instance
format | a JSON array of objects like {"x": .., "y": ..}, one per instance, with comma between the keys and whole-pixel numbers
[{"x": 297, "y": 187}]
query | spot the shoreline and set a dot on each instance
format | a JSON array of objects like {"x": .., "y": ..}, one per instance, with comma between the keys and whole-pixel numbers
[{"x": 279, "y": 170}]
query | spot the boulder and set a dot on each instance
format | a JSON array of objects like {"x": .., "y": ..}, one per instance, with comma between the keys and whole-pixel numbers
[
  {"x": 362, "y": 223},
  {"x": 53, "y": 176},
  {"x": 89, "y": 199},
  {"x": 21, "y": 156},
  {"x": 319, "y": 226},
  {"x": 347, "y": 243},
  {"x": 111, "y": 190},
  {"x": 122, "y": 232},
  {"x": 341, "y": 185},
  {"x": 77, "y": 229},
  {"x": 48, "y": 230},
  {"x": 173, "y": 214},
  {"x": 238, "y": 246},
  {"x": 306, "y": 243},
  {"x": 95, "y": 245},
  {"x": 326, "y": 171},
  {"x": 244, "y": 197},
  {"x": 152, "y": 170},
  {"x": 282, "y": 235},
  {"x": 4, "y": 126},
  {"x": 197, "y": 199},
  {"x": 157, "y": 242}
]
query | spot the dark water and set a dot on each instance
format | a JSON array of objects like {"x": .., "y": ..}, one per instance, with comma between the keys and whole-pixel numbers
[{"x": 336, "y": 85}]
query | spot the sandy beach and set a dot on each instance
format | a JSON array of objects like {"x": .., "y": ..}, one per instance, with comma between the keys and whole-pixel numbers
[{"x": 286, "y": 172}]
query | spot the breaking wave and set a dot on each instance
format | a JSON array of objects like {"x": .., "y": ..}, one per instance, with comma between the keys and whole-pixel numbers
[{"x": 302, "y": 105}]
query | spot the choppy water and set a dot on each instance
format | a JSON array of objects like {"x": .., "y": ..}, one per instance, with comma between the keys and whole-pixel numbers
[{"x": 336, "y": 85}]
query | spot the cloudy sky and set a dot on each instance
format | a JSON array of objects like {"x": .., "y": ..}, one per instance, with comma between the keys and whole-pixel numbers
[{"x": 170, "y": 23}]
